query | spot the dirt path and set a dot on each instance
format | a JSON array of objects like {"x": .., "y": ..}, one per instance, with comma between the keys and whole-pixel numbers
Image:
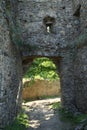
[{"x": 43, "y": 117}]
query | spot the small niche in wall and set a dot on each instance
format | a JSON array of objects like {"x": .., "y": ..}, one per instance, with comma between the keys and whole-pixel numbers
[{"x": 49, "y": 22}]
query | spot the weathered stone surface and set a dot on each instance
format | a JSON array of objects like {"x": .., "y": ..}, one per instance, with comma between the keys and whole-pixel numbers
[
  {"x": 64, "y": 29},
  {"x": 22, "y": 31},
  {"x": 80, "y": 79},
  {"x": 10, "y": 75}
]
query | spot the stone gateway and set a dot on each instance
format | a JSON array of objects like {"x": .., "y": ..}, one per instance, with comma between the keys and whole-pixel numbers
[{"x": 56, "y": 29}]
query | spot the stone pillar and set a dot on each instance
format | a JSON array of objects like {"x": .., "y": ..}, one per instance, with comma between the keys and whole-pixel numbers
[
  {"x": 80, "y": 66},
  {"x": 10, "y": 76},
  {"x": 67, "y": 81}
]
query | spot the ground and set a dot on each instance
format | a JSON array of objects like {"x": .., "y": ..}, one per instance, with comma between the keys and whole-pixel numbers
[{"x": 43, "y": 117}]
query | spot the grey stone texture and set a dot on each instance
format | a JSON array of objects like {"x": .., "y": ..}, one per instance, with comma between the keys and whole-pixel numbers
[
  {"x": 33, "y": 30},
  {"x": 10, "y": 75},
  {"x": 24, "y": 36}
]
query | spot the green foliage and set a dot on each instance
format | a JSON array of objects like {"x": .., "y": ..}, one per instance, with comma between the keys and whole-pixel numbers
[
  {"x": 8, "y": 6},
  {"x": 42, "y": 68},
  {"x": 56, "y": 105},
  {"x": 70, "y": 117},
  {"x": 78, "y": 42},
  {"x": 20, "y": 123}
]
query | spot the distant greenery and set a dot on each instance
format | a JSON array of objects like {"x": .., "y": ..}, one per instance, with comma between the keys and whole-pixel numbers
[
  {"x": 20, "y": 123},
  {"x": 42, "y": 68}
]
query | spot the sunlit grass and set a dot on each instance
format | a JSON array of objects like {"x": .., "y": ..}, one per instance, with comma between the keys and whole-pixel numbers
[{"x": 56, "y": 105}]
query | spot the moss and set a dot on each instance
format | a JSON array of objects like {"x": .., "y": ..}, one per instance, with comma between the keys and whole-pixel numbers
[
  {"x": 66, "y": 116},
  {"x": 20, "y": 123},
  {"x": 81, "y": 41},
  {"x": 70, "y": 117},
  {"x": 56, "y": 105},
  {"x": 8, "y": 5},
  {"x": 15, "y": 35},
  {"x": 13, "y": 26}
]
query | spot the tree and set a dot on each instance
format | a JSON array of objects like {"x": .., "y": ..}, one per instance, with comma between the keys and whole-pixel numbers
[{"x": 42, "y": 68}]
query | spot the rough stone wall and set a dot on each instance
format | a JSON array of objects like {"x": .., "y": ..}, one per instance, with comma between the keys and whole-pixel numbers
[
  {"x": 64, "y": 41},
  {"x": 59, "y": 42},
  {"x": 83, "y": 18},
  {"x": 10, "y": 75},
  {"x": 40, "y": 43},
  {"x": 80, "y": 68},
  {"x": 67, "y": 81}
]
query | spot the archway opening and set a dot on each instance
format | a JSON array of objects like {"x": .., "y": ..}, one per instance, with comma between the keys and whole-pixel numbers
[
  {"x": 42, "y": 90},
  {"x": 41, "y": 80}
]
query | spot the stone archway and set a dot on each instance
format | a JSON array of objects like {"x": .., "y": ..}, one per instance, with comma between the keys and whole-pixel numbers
[
  {"x": 64, "y": 64},
  {"x": 71, "y": 90},
  {"x": 31, "y": 33}
]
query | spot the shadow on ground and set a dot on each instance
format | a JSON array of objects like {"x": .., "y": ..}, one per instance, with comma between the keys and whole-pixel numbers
[{"x": 43, "y": 117}]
